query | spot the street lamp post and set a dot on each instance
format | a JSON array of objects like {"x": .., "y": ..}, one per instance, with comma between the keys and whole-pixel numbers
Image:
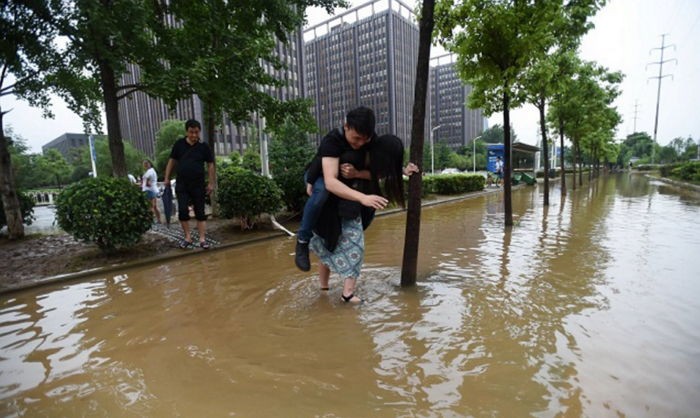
[
  {"x": 474, "y": 153},
  {"x": 432, "y": 153}
]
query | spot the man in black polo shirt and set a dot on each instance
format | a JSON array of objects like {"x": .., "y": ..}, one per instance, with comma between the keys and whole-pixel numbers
[{"x": 189, "y": 155}]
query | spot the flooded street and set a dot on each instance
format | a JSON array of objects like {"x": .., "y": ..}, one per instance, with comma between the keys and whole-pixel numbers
[{"x": 586, "y": 308}]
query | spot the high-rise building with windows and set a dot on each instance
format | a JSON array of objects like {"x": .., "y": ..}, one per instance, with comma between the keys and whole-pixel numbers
[
  {"x": 141, "y": 115},
  {"x": 365, "y": 56},
  {"x": 457, "y": 124}
]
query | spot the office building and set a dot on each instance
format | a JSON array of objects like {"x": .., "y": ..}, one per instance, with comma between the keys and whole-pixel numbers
[
  {"x": 365, "y": 56},
  {"x": 456, "y": 124},
  {"x": 66, "y": 144}
]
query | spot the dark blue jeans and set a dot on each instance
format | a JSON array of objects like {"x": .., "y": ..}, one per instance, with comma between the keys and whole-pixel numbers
[{"x": 312, "y": 209}]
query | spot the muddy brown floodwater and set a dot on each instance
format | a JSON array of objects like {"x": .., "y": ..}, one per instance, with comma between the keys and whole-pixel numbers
[{"x": 586, "y": 308}]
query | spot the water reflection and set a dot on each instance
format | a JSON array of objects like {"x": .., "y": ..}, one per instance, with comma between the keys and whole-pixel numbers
[{"x": 586, "y": 307}]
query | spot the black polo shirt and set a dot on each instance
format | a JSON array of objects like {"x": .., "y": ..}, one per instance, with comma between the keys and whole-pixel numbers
[{"x": 190, "y": 160}]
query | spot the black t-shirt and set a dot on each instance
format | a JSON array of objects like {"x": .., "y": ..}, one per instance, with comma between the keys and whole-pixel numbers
[
  {"x": 335, "y": 145},
  {"x": 190, "y": 160}
]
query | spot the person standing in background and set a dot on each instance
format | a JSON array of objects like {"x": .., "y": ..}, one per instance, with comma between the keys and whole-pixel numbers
[
  {"x": 149, "y": 185},
  {"x": 189, "y": 155}
]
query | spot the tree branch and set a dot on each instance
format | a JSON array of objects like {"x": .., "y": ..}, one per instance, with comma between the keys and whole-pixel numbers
[
  {"x": 135, "y": 88},
  {"x": 130, "y": 86}
]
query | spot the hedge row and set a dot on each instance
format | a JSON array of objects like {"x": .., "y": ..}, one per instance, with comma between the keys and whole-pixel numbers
[
  {"x": 449, "y": 184},
  {"x": 689, "y": 171}
]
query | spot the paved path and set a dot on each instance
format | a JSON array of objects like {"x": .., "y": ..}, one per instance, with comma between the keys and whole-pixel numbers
[{"x": 174, "y": 232}]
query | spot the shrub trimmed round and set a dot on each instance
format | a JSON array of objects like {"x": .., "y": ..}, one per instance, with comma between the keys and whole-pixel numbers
[
  {"x": 247, "y": 195},
  {"x": 107, "y": 211}
]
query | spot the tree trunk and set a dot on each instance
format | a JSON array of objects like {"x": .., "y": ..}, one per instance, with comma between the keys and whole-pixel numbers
[
  {"x": 109, "y": 93},
  {"x": 415, "y": 185},
  {"x": 580, "y": 167},
  {"x": 545, "y": 151},
  {"x": 507, "y": 160},
  {"x": 10, "y": 200},
  {"x": 210, "y": 127},
  {"x": 574, "y": 160},
  {"x": 561, "y": 162}
]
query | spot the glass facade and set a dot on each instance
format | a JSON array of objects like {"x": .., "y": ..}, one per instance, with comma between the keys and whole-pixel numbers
[{"x": 366, "y": 56}]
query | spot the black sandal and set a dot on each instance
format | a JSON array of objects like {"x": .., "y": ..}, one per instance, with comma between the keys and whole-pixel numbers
[
  {"x": 348, "y": 299},
  {"x": 184, "y": 244}
]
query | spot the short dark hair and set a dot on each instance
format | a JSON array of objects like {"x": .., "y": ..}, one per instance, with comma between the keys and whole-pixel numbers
[
  {"x": 193, "y": 123},
  {"x": 362, "y": 120}
]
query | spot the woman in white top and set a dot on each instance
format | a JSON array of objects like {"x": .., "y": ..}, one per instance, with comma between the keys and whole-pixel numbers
[{"x": 149, "y": 185}]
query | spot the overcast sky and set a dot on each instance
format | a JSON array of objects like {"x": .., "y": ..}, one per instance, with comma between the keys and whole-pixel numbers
[{"x": 626, "y": 33}]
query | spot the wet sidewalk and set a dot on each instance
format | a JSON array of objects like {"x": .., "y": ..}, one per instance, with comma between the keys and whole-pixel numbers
[{"x": 221, "y": 234}]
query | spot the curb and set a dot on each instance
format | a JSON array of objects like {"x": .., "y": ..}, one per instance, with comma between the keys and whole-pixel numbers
[{"x": 682, "y": 185}]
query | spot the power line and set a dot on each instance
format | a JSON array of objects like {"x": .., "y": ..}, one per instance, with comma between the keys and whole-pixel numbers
[{"x": 661, "y": 76}]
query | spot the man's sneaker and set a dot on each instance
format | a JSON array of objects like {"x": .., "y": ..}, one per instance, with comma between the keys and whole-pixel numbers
[{"x": 301, "y": 258}]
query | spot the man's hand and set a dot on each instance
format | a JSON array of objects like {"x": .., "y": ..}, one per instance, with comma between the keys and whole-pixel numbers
[
  {"x": 166, "y": 183},
  {"x": 309, "y": 189},
  {"x": 374, "y": 201},
  {"x": 210, "y": 188}
]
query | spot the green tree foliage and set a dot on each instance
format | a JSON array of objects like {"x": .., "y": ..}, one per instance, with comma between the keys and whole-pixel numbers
[
  {"x": 290, "y": 152},
  {"x": 33, "y": 171},
  {"x": 495, "y": 42},
  {"x": 541, "y": 81},
  {"x": 170, "y": 131},
  {"x": 34, "y": 66},
  {"x": 502, "y": 49},
  {"x": 224, "y": 63},
  {"x": 21, "y": 159},
  {"x": 251, "y": 160},
  {"x": 460, "y": 162},
  {"x": 107, "y": 211},
  {"x": 102, "y": 38},
  {"x": 637, "y": 145},
  {"x": 54, "y": 167},
  {"x": 103, "y": 162},
  {"x": 247, "y": 195},
  {"x": 495, "y": 134},
  {"x": 584, "y": 110}
]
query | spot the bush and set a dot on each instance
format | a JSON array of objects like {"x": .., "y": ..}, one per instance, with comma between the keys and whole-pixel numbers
[
  {"x": 247, "y": 195},
  {"x": 689, "y": 171},
  {"x": 290, "y": 152},
  {"x": 448, "y": 184},
  {"x": 428, "y": 185},
  {"x": 109, "y": 212},
  {"x": 667, "y": 169},
  {"x": 26, "y": 206}
]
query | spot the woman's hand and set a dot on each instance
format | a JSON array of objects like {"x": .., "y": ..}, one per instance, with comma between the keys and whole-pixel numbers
[
  {"x": 309, "y": 189},
  {"x": 348, "y": 171},
  {"x": 410, "y": 169},
  {"x": 374, "y": 201}
]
